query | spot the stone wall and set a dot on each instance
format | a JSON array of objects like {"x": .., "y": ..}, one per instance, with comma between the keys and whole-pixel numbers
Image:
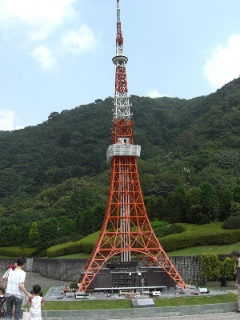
[
  {"x": 59, "y": 269},
  {"x": 189, "y": 268},
  {"x": 4, "y": 263},
  {"x": 70, "y": 269}
]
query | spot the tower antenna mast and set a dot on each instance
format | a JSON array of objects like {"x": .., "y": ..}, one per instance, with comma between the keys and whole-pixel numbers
[{"x": 126, "y": 230}]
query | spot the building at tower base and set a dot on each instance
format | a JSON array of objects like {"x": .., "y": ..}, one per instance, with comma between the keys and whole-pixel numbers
[{"x": 119, "y": 276}]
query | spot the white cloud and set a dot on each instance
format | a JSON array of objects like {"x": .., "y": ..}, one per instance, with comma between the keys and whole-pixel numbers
[
  {"x": 39, "y": 18},
  {"x": 224, "y": 64},
  {"x": 6, "y": 120},
  {"x": 36, "y": 26},
  {"x": 76, "y": 41},
  {"x": 155, "y": 94},
  {"x": 44, "y": 56}
]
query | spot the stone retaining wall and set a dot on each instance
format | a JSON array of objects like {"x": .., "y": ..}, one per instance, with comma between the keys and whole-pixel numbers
[
  {"x": 59, "y": 269},
  {"x": 70, "y": 269}
]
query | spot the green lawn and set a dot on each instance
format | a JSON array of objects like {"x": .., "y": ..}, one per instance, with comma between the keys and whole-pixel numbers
[
  {"x": 88, "y": 305},
  {"x": 196, "y": 300},
  {"x": 74, "y": 255},
  {"x": 126, "y": 303},
  {"x": 195, "y": 251}
]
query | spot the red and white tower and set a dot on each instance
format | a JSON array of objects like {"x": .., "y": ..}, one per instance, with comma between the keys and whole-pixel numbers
[{"x": 126, "y": 231}]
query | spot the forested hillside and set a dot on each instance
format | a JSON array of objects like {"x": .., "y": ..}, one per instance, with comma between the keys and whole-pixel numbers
[{"x": 55, "y": 174}]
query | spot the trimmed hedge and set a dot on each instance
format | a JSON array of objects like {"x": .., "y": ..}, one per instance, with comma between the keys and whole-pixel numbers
[
  {"x": 18, "y": 252},
  {"x": 199, "y": 238},
  {"x": 168, "y": 229},
  {"x": 85, "y": 245},
  {"x": 186, "y": 239}
]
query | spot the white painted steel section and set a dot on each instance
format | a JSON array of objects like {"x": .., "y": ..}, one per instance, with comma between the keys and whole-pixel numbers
[
  {"x": 122, "y": 106},
  {"x": 124, "y": 212},
  {"x": 119, "y": 50},
  {"x": 123, "y": 150}
]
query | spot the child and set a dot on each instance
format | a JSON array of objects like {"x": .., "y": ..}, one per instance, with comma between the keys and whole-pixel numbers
[
  {"x": 36, "y": 303},
  {"x": 2, "y": 298}
]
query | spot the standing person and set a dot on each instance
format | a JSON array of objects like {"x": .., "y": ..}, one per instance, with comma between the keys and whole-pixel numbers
[
  {"x": 12, "y": 266},
  {"x": 15, "y": 289},
  {"x": 36, "y": 303},
  {"x": 236, "y": 257}
]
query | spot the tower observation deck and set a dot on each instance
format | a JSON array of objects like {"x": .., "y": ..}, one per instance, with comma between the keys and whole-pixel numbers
[{"x": 126, "y": 230}]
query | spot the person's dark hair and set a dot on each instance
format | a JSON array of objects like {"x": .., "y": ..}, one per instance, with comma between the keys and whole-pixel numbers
[
  {"x": 36, "y": 289},
  {"x": 235, "y": 253},
  {"x": 21, "y": 261}
]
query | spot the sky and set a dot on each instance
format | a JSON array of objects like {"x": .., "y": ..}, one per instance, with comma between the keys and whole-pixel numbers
[{"x": 57, "y": 54}]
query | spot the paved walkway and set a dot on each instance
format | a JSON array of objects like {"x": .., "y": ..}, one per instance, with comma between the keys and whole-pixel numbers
[{"x": 33, "y": 278}]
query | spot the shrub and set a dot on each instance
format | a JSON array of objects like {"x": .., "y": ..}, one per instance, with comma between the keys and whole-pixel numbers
[
  {"x": 73, "y": 285},
  {"x": 227, "y": 269},
  {"x": 210, "y": 266},
  {"x": 158, "y": 223},
  {"x": 168, "y": 229},
  {"x": 232, "y": 223},
  {"x": 213, "y": 269}
]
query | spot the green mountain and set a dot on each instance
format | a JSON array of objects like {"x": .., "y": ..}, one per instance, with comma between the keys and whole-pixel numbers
[{"x": 200, "y": 136}]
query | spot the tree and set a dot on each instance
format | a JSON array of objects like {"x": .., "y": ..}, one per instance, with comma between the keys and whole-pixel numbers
[
  {"x": 209, "y": 204},
  {"x": 67, "y": 227},
  {"x": 193, "y": 204},
  {"x": 235, "y": 209},
  {"x": 160, "y": 208},
  {"x": 33, "y": 234},
  {"x": 47, "y": 233},
  {"x": 8, "y": 236},
  {"x": 84, "y": 196},
  {"x": 90, "y": 220},
  {"x": 176, "y": 206},
  {"x": 225, "y": 199},
  {"x": 150, "y": 203},
  {"x": 236, "y": 194}
]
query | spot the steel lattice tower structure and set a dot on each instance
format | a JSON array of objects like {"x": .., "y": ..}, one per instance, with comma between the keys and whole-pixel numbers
[{"x": 126, "y": 230}]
